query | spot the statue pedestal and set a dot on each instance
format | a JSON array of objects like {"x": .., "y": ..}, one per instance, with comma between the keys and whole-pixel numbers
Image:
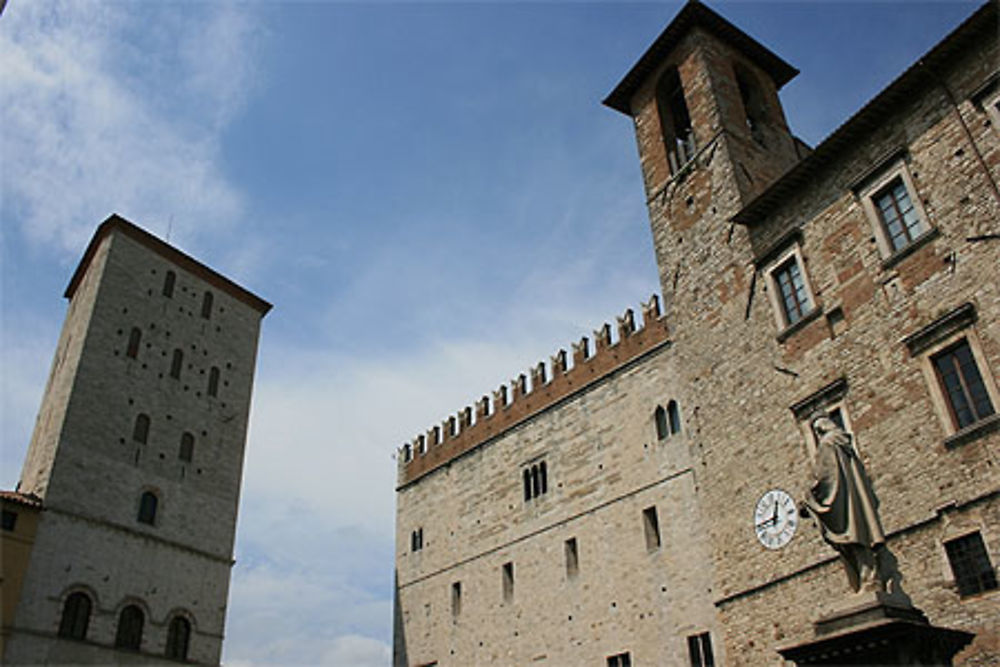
[{"x": 875, "y": 629}]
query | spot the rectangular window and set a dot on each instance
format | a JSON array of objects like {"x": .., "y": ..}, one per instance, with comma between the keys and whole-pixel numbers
[
  {"x": 536, "y": 480},
  {"x": 417, "y": 539},
  {"x": 651, "y": 525},
  {"x": 700, "y": 650},
  {"x": 794, "y": 296},
  {"x": 572, "y": 559},
  {"x": 971, "y": 565},
  {"x": 9, "y": 520},
  {"x": 892, "y": 206},
  {"x": 901, "y": 222},
  {"x": 620, "y": 660},
  {"x": 456, "y": 598},
  {"x": 962, "y": 385},
  {"x": 508, "y": 582},
  {"x": 787, "y": 285}
]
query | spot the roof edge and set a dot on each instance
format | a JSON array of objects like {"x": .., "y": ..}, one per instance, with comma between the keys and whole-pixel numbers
[
  {"x": 116, "y": 223},
  {"x": 888, "y": 98},
  {"x": 695, "y": 14}
]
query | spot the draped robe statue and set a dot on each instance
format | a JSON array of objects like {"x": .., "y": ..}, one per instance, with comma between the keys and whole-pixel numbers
[{"x": 842, "y": 500}]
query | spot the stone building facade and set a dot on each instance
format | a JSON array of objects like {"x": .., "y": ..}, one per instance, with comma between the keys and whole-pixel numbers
[
  {"x": 137, "y": 458},
  {"x": 603, "y": 512}
]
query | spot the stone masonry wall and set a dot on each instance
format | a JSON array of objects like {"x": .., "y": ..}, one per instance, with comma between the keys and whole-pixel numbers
[{"x": 605, "y": 466}]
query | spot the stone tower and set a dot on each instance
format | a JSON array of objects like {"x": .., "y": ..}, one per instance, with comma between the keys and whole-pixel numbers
[
  {"x": 137, "y": 457},
  {"x": 711, "y": 134}
]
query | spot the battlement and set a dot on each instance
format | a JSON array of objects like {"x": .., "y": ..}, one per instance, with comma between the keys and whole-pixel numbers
[{"x": 544, "y": 385}]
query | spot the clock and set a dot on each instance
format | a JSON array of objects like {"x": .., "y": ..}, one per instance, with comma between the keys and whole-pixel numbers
[{"x": 775, "y": 519}]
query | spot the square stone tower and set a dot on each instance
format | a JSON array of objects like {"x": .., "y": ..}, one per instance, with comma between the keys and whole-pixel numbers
[{"x": 137, "y": 457}]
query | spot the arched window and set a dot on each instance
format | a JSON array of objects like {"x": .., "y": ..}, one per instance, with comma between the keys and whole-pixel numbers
[
  {"x": 140, "y": 432},
  {"x": 75, "y": 616},
  {"x": 176, "y": 364},
  {"x": 134, "y": 338},
  {"x": 660, "y": 416},
  {"x": 186, "y": 452},
  {"x": 213, "y": 381},
  {"x": 206, "y": 305},
  {"x": 675, "y": 122},
  {"x": 178, "y": 637},
  {"x": 147, "y": 508},
  {"x": 168, "y": 284},
  {"x": 674, "y": 416},
  {"x": 129, "y": 634},
  {"x": 753, "y": 102}
]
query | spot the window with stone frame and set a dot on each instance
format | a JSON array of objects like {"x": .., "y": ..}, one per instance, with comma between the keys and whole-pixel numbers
[
  {"x": 970, "y": 563},
  {"x": 830, "y": 401},
  {"x": 620, "y": 660},
  {"x": 789, "y": 289},
  {"x": 962, "y": 385},
  {"x": 75, "y": 616},
  {"x": 700, "y": 650},
  {"x": 892, "y": 204},
  {"x": 535, "y": 480}
]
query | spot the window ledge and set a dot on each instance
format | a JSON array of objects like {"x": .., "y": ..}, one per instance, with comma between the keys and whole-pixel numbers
[
  {"x": 901, "y": 254},
  {"x": 791, "y": 329},
  {"x": 973, "y": 432}
]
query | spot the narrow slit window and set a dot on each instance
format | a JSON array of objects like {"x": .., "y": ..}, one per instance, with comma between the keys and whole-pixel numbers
[
  {"x": 178, "y": 638},
  {"x": 176, "y": 364},
  {"x": 134, "y": 338},
  {"x": 456, "y": 598},
  {"x": 572, "y": 559},
  {"x": 674, "y": 415},
  {"x": 651, "y": 527},
  {"x": 75, "y": 616},
  {"x": 147, "y": 508},
  {"x": 186, "y": 452},
  {"x": 508, "y": 582},
  {"x": 527, "y": 484},
  {"x": 660, "y": 417},
  {"x": 129, "y": 634},
  {"x": 140, "y": 432},
  {"x": 213, "y": 381},
  {"x": 206, "y": 305},
  {"x": 168, "y": 284},
  {"x": 544, "y": 476}
]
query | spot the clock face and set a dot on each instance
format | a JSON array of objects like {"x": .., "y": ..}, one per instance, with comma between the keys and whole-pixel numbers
[{"x": 775, "y": 519}]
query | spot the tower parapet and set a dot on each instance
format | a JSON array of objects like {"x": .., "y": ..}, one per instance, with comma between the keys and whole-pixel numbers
[{"x": 550, "y": 383}]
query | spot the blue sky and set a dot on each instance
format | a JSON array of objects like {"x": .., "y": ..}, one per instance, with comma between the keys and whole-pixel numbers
[{"x": 431, "y": 194}]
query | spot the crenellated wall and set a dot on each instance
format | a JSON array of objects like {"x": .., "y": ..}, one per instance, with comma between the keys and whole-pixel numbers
[{"x": 522, "y": 399}]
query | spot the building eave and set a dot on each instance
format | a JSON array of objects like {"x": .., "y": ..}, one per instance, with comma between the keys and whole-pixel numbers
[
  {"x": 117, "y": 224},
  {"x": 870, "y": 116},
  {"x": 695, "y": 14}
]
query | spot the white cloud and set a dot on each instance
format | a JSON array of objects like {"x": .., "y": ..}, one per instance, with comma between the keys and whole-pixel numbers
[{"x": 102, "y": 116}]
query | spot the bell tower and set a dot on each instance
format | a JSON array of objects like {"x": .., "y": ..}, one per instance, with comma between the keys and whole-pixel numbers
[{"x": 712, "y": 135}]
